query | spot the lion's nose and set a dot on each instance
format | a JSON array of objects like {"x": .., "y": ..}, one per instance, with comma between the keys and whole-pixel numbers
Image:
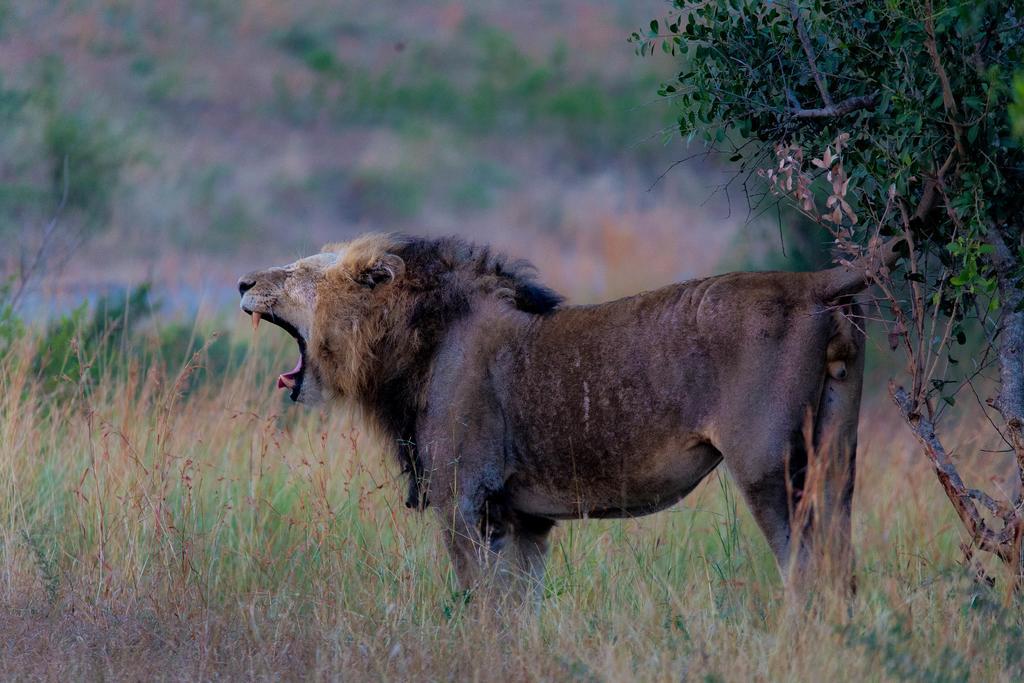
[{"x": 245, "y": 283}]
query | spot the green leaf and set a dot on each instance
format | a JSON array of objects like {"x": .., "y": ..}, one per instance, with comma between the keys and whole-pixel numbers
[{"x": 740, "y": 68}]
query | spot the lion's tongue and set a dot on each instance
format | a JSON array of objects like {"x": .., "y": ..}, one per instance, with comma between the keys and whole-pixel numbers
[{"x": 288, "y": 378}]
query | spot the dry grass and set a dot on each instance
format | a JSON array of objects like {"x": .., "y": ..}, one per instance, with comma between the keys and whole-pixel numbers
[{"x": 146, "y": 532}]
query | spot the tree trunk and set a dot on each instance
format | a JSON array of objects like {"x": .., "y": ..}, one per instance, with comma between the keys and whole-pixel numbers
[{"x": 1010, "y": 403}]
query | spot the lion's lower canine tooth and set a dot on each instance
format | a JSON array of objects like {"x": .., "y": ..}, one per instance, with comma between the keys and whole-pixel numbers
[{"x": 255, "y": 320}]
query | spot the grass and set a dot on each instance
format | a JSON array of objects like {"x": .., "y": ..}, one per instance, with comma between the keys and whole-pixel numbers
[{"x": 161, "y": 521}]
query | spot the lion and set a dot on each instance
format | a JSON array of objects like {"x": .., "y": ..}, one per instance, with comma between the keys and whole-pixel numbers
[{"x": 510, "y": 410}]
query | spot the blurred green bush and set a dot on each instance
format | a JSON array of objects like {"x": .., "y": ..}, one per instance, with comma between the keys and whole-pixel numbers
[
  {"x": 482, "y": 83},
  {"x": 105, "y": 340},
  {"x": 80, "y": 155}
]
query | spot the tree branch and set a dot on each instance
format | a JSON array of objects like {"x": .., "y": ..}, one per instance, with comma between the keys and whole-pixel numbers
[
  {"x": 931, "y": 186},
  {"x": 1000, "y": 543},
  {"x": 805, "y": 41},
  {"x": 845, "y": 107},
  {"x": 1010, "y": 403},
  {"x": 948, "y": 101}
]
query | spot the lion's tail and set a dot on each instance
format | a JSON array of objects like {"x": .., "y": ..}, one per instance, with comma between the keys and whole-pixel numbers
[{"x": 854, "y": 276}]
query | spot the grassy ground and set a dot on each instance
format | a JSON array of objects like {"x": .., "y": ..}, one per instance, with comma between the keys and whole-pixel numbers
[{"x": 163, "y": 518}]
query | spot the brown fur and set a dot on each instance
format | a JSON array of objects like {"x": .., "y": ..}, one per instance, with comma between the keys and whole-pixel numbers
[{"x": 509, "y": 411}]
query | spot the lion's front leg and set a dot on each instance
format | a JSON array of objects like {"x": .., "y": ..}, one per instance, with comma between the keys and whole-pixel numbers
[
  {"x": 497, "y": 553},
  {"x": 468, "y": 544},
  {"x": 530, "y": 535}
]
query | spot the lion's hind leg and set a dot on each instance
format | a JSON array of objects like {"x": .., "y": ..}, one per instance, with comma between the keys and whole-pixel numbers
[
  {"x": 834, "y": 453},
  {"x": 796, "y": 467}
]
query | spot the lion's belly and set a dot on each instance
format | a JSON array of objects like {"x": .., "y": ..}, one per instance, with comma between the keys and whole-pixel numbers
[{"x": 626, "y": 485}]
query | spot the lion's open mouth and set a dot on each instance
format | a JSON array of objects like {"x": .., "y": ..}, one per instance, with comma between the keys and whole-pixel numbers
[{"x": 293, "y": 379}]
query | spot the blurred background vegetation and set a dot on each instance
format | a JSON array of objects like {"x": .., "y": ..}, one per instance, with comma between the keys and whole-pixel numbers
[{"x": 182, "y": 142}]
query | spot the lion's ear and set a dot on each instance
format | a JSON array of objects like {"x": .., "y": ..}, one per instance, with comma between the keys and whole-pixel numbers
[{"x": 383, "y": 270}]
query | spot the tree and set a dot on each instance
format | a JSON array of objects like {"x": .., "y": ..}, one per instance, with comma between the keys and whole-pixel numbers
[{"x": 897, "y": 126}]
